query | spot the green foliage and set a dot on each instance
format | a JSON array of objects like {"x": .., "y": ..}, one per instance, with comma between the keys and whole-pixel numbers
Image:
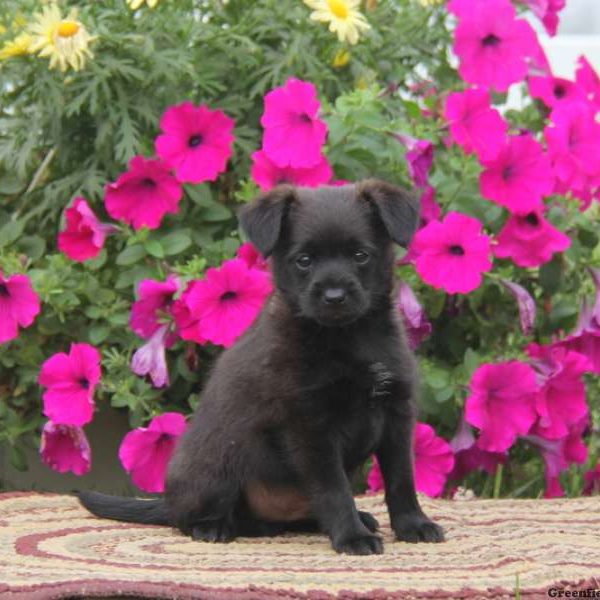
[{"x": 69, "y": 134}]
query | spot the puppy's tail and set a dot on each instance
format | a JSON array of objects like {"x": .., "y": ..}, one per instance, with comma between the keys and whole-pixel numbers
[{"x": 132, "y": 510}]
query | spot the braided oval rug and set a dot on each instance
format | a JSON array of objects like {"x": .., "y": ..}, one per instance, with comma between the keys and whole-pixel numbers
[{"x": 52, "y": 548}]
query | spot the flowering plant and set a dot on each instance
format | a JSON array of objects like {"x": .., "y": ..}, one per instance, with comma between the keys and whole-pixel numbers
[{"x": 132, "y": 131}]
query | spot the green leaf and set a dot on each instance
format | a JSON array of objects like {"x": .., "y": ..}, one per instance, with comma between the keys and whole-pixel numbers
[
  {"x": 551, "y": 275},
  {"x": 154, "y": 248},
  {"x": 175, "y": 243},
  {"x": 215, "y": 213},
  {"x": 18, "y": 459},
  {"x": 10, "y": 232},
  {"x": 131, "y": 255},
  {"x": 471, "y": 361},
  {"x": 98, "y": 333}
]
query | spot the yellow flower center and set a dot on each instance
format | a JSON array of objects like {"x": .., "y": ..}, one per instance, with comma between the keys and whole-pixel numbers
[
  {"x": 339, "y": 8},
  {"x": 67, "y": 29}
]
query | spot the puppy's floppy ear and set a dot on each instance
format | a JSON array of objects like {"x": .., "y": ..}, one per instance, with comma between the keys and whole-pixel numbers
[
  {"x": 398, "y": 208},
  {"x": 262, "y": 219}
]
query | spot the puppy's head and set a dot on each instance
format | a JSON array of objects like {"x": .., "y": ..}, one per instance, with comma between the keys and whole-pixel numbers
[{"x": 332, "y": 246}]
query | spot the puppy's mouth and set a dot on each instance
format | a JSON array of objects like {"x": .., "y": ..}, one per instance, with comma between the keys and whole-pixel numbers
[{"x": 335, "y": 317}]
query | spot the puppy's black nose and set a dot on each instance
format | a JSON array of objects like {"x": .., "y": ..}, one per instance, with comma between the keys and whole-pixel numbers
[{"x": 334, "y": 296}]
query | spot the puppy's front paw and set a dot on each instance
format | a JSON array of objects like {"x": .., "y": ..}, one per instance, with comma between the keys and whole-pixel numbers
[
  {"x": 360, "y": 544},
  {"x": 220, "y": 530},
  {"x": 417, "y": 527},
  {"x": 369, "y": 521}
]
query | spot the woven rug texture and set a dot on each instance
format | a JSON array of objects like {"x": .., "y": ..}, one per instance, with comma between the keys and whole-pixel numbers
[{"x": 51, "y": 548}]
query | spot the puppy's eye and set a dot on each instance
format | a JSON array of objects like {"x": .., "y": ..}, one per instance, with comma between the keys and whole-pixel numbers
[
  {"x": 303, "y": 262},
  {"x": 361, "y": 257}
]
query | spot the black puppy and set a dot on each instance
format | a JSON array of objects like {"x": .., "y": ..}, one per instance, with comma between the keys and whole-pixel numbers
[{"x": 320, "y": 382}]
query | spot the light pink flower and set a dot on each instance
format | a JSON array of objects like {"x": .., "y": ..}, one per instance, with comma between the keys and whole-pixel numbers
[
  {"x": 452, "y": 254},
  {"x": 433, "y": 461},
  {"x": 145, "y": 452},
  {"x": 501, "y": 403},
  {"x": 152, "y": 309},
  {"x": 266, "y": 174},
  {"x": 252, "y": 257},
  {"x": 415, "y": 320},
  {"x": 419, "y": 158},
  {"x": 525, "y": 303},
  {"x": 19, "y": 305},
  {"x": 493, "y": 45},
  {"x": 143, "y": 195},
  {"x": 196, "y": 142},
  {"x": 65, "y": 448},
  {"x": 530, "y": 240},
  {"x": 226, "y": 302},
  {"x": 291, "y": 113},
  {"x": 554, "y": 90},
  {"x": 474, "y": 125},
  {"x": 587, "y": 79},
  {"x": 84, "y": 235},
  {"x": 469, "y": 457},
  {"x": 573, "y": 139},
  {"x": 151, "y": 358},
  {"x": 430, "y": 209},
  {"x": 561, "y": 400},
  {"x": 519, "y": 177},
  {"x": 70, "y": 380}
]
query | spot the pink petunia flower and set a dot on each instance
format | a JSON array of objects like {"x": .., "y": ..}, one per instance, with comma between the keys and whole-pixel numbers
[
  {"x": 266, "y": 174},
  {"x": 469, "y": 457},
  {"x": 415, "y": 320},
  {"x": 561, "y": 400},
  {"x": 70, "y": 380},
  {"x": 588, "y": 80},
  {"x": 186, "y": 316},
  {"x": 559, "y": 454},
  {"x": 547, "y": 11},
  {"x": 519, "y": 177},
  {"x": 291, "y": 113},
  {"x": 574, "y": 144},
  {"x": 433, "y": 461},
  {"x": 493, "y": 45},
  {"x": 196, "y": 142},
  {"x": 430, "y": 209},
  {"x": 151, "y": 358},
  {"x": 530, "y": 240},
  {"x": 226, "y": 302},
  {"x": 554, "y": 90},
  {"x": 502, "y": 403},
  {"x": 19, "y": 305},
  {"x": 452, "y": 254},
  {"x": 65, "y": 448},
  {"x": 252, "y": 257},
  {"x": 419, "y": 158},
  {"x": 592, "y": 481},
  {"x": 143, "y": 195},
  {"x": 474, "y": 125},
  {"x": 526, "y": 304},
  {"x": 84, "y": 235},
  {"x": 145, "y": 452},
  {"x": 152, "y": 309}
]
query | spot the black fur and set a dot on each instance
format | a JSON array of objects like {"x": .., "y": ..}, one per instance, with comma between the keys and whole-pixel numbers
[{"x": 320, "y": 382}]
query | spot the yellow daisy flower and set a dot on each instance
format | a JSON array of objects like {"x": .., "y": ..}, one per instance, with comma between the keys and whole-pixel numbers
[
  {"x": 343, "y": 17},
  {"x": 135, "y": 4},
  {"x": 19, "y": 46},
  {"x": 65, "y": 41}
]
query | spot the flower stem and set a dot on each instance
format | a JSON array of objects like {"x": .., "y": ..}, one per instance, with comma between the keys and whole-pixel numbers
[{"x": 498, "y": 480}]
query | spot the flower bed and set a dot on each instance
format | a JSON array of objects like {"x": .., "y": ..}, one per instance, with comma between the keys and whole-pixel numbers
[{"x": 132, "y": 131}]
